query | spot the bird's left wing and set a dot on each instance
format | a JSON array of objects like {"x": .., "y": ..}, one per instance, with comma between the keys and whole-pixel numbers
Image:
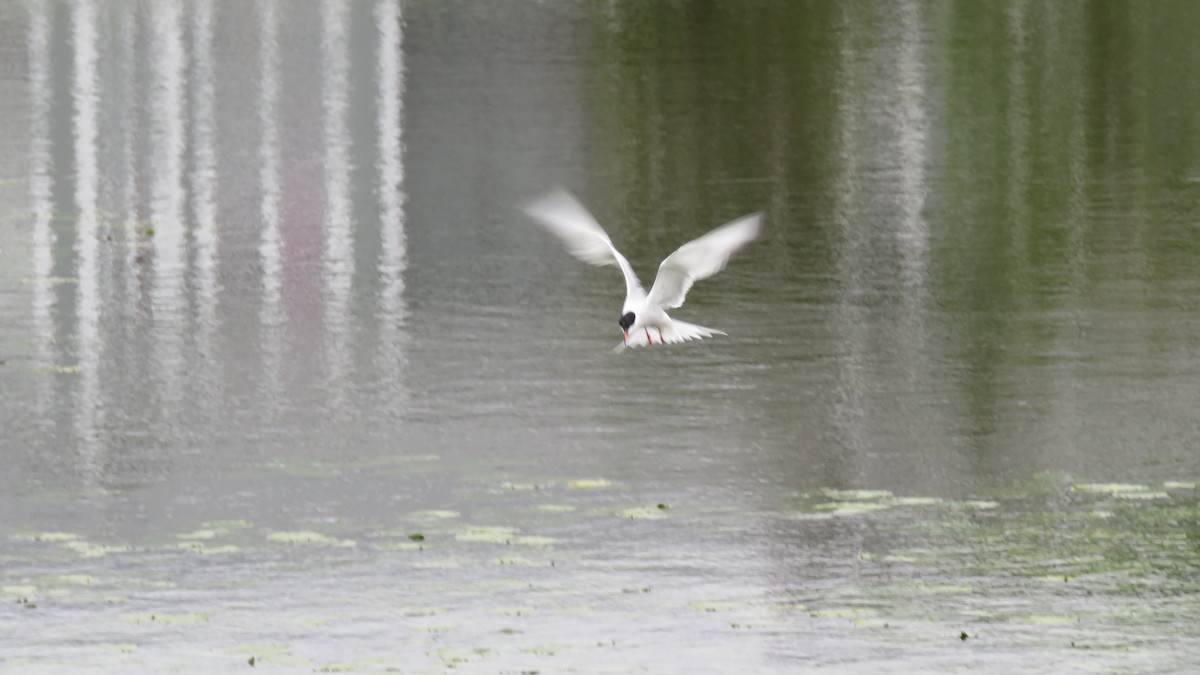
[
  {"x": 699, "y": 259},
  {"x": 583, "y": 237}
]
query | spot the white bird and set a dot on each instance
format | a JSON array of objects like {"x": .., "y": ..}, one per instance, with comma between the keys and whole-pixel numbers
[{"x": 643, "y": 317}]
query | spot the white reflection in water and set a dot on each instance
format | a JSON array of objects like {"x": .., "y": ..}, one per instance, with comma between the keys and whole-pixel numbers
[
  {"x": 270, "y": 245},
  {"x": 129, "y": 98},
  {"x": 1018, "y": 130},
  {"x": 912, "y": 130},
  {"x": 166, "y": 207},
  {"x": 848, "y": 414},
  {"x": 391, "y": 193},
  {"x": 204, "y": 185},
  {"x": 912, "y": 230},
  {"x": 339, "y": 243},
  {"x": 84, "y": 96},
  {"x": 40, "y": 186}
]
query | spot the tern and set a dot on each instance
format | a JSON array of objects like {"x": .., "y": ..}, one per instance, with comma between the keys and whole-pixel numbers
[{"x": 643, "y": 316}]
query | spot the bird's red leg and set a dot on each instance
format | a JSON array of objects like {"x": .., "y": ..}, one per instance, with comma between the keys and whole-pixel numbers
[
  {"x": 661, "y": 341},
  {"x": 648, "y": 340}
]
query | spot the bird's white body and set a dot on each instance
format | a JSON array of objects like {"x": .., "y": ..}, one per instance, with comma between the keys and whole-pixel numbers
[{"x": 643, "y": 316}]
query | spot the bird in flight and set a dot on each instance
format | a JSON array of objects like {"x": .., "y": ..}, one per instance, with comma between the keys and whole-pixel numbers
[{"x": 644, "y": 320}]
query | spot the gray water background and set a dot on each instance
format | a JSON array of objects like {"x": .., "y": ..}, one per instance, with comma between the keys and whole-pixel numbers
[{"x": 269, "y": 308}]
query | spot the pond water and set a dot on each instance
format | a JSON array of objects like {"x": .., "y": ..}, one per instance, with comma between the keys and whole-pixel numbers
[{"x": 289, "y": 380}]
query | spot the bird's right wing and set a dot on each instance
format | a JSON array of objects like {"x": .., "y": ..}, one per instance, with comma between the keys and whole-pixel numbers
[
  {"x": 582, "y": 236},
  {"x": 701, "y": 258}
]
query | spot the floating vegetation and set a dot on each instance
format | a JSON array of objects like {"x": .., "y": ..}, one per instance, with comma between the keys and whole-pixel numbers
[
  {"x": 49, "y": 536},
  {"x": 1110, "y": 488},
  {"x": 915, "y": 501},
  {"x": 977, "y": 504},
  {"x": 59, "y": 370},
  {"x": 205, "y": 549},
  {"x": 589, "y": 484},
  {"x": 90, "y": 550},
  {"x": 400, "y": 546},
  {"x": 310, "y": 538},
  {"x": 452, "y": 656},
  {"x": 1179, "y": 485},
  {"x": 856, "y": 495},
  {"x": 488, "y": 534},
  {"x": 850, "y": 508},
  {"x": 717, "y": 605},
  {"x": 67, "y": 580},
  {"x": 843, "y": 613},
  {"x": 491, "y": 534},
  {"x": 433, "y": 514},
  {"x": 198, "y": 534}
]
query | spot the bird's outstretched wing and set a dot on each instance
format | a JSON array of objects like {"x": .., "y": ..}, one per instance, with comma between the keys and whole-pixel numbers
[
  {"x": 583, "y": 237},
  {"x": 699, "y": 259}
]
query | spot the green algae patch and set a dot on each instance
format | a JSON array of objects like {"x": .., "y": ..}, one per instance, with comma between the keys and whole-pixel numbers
[
  {"x": 850, "y": 508},
  {"x": 534, "y": 540},
  {"x": 547, "y": 650},
  {"x": 843, "y": 613},
  {"x": 589, "y": 483},
  {"x": 198, "y": 534},
  {"x": 790, "y": 607},
  {"x": 977, "y": 504},
  {"x": 456, "y": 656},
  {"x": 434, "y": 514},
  {"x": 1045, "y": 619},
  {"x": 205, "y": 549},
  {"x": 90, "y": 550},
  {"x": 166, "y": 617},
  {"x": 59, "y": 370},
  {"x": 119, "y": 647},
  {"x": 1179, "y": 485},
  {"x": 1110, "y": 488},
  {"x": 717, "y": 605},
  {"x": 856, "y": 495},
  {"x": 804, "y": 515},
  {"x": 23, "y": 590},
  {"x": 1142, "y": 495},
  {"x": 487, "y": 534},
  {"x": 400, "y": 546},
  {"x": 68, "y": 580},
  {"x": 53, "y": 537},
  {"x": 310, "y": 538}
]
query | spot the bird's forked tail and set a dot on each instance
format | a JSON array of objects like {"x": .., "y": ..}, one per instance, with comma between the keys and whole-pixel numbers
[{"x": 675, "y": 332}]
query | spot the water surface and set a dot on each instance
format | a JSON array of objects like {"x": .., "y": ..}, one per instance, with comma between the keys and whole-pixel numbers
[{"x": 287, "y": 375}]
